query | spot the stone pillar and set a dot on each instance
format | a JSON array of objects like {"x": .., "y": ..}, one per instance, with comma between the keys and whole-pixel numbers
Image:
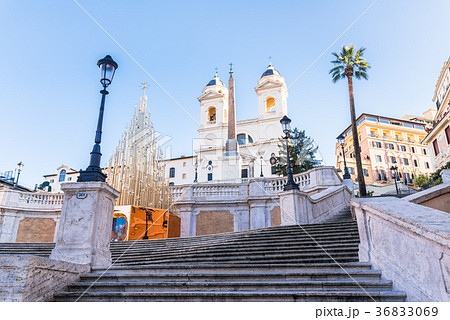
[
  {"x": 84, "y": 231},
  {"x": 445, "y": 174},
  {"x": 187, "y": 220},
  {"x": 289, "y": 206},
  {"x": 257, "y": 214}
]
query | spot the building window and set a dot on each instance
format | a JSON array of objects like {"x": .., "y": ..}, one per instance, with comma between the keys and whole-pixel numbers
[
  {"x": 403, "y": 148},
  {"x": 184, "y": 164},
  {"x": 172, "y": 173},
  {"x": 424, "y": 151},
  {"x": 62, "y": 175},
  {"x": 365, "y": 172},
  {"x": 405, "y": 162},
  {"x": 69, "y": 178},
  {"x": 382, "y": 175},
  {"x": 244, "y": 173},
  {"x": 413, "y": 150},
  {"x": 212, "y": 115},
  {"x": 350, "y": 170},
  {"x": 274, "y": 170},
  {"x": 393, "y": 160},
  {"x": 390, "y": 146},
  {"x": 416, "y": 164},
  {"x": 52, "y": 180},
  {"x": 250, "y": 139},
  {"x": 270, "y": 104},
  {"x": 171, "y": 184},
  {"x": 447, "y": 134},
  {"x": 378, "y": 144},
  {"x": 210, "y": 177},
  {"x": 183, "y": 176},
  {"x": 379, "y": 159},
  {"x": 427, "y": 165},
  {"x": 435, "y": 147},
  {"x": 241, "y": 139}
]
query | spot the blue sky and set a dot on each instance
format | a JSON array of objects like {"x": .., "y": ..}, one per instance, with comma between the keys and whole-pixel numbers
[{"x": 49, "y": 80}]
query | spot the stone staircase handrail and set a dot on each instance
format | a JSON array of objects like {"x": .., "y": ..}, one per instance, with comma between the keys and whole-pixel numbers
[{"x": 30, "y": 200}]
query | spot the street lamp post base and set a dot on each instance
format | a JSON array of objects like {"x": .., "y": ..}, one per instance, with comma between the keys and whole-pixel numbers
[
  {"x": 93, "y": 174},
  {"x": 290, "y": 186}
]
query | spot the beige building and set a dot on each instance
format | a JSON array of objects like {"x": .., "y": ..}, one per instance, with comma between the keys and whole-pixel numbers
[
  {"x": 63, "y": 174},
  {"x": 438, "y": 139},
  {"x": 387, "y": 142}
]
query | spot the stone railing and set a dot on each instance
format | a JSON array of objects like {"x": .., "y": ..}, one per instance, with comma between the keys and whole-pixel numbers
[
  {"x": 215, "y": 190},
  {"x": 316, "y": 179},
  {"x": 30, "y": 200},
  {"x": 410, "y": 243}
]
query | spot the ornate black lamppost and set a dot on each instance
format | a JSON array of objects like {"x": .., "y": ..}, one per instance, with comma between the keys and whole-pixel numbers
[
  {"x": 196, "y": 170},
  {"x": 261, "y": 162},
  {"x": 394, "y": 170},
  {"x": 341, "y": 140},
  {"x": 94, "y": 173},
  {"x": 19, "y": 168},
  {"x": 286, "y": 125}
]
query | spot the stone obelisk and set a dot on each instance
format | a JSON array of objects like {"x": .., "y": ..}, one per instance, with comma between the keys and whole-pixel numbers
[{"x": 231, "y": 158}]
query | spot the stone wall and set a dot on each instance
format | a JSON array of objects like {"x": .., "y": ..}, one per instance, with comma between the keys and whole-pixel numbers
[
  {"x": 211, "y": 222},
  {"x": 410, "y": 243},
  {"x": 36, "y": 230},
  {"x": 30, "y": 278}
]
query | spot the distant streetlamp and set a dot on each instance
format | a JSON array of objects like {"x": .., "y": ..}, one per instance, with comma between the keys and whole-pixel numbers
[
  {"x": 286, "y": 125},
  {"x": 394, "y": 170},
  {"x": 261, "y": 160},
  {"x": 341, "y": 140},
  {"x": 148, "y": 217},
  {"x": 196, "y": 170},
  {"x": 19, "y": 168},
  {"x": 94, "y": 173}
]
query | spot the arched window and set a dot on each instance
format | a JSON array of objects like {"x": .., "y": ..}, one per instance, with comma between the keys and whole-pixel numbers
[
  {"x": 212, "y": 115},
  {"x": 241, "y": 139},
  {"x": 62, "y": 175},
  {"x": 270, "y": 104},
  {"x": 250, "y": 139}
]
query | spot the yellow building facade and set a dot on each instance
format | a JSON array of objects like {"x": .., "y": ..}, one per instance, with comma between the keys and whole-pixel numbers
[
  {"x": 386, "y": 142},
  {"x": 438, "y": 139}
]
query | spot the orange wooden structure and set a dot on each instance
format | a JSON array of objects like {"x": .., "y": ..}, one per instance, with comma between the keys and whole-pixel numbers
[{"x": 130, "y": 223}]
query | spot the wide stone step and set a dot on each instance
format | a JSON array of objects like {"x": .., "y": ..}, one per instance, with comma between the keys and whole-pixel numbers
[
  {"x": 261, "y": 253},
  {"x": 235, "y": 296},
  {"x": 293, "y": 285},
  {"x": 231, "y": 267},
  {"x": 232, "y": 276},
  {"x": 246, "y": 260}
]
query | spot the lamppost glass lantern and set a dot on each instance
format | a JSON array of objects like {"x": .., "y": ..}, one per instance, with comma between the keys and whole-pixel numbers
[
  {"x": 286, "y": 124},
  {"x": 19, "y": 168},
  {"x": 341, "y": 139},
  {"x": 107, "y": 69},
  {"x": 394, "y": 170}
]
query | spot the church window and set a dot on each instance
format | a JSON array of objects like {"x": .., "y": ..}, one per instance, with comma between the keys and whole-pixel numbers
[
  {"x": 212, "y": 115},
  {"x": 244, "y": 173},
  {"x": 250, "y": 139},
  {"x": 52, "y": 180},
  {"x": 210, "y": 176},
  {"x": 172, "y": 173},
  {"x": 241, "y": 139},
  {"x": 171, "y": 184},
  {"x": 62, "y": 176},
  {"x": 270, "y": 104}
]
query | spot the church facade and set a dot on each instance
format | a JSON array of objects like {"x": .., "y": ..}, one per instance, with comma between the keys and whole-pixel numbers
[{"x": 228, "y": 150}]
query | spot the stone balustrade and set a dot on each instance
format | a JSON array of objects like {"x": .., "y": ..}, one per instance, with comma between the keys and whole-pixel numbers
[{"x": 30, "y": 200}]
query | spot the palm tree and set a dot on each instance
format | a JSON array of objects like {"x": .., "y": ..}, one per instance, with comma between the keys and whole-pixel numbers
[{"x": 349, "y": 64}]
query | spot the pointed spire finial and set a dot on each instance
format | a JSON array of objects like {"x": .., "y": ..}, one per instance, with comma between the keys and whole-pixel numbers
[
  {"x": 216, "y": 71},
  {"x": 143, "y": 86},
  {"x": 231, "y": 69},
  {"x": 270, "y": 61}
]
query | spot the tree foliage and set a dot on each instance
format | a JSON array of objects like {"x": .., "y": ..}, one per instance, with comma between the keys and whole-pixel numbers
[
  {"x": 347, "y": 59},
  {"x": 302, "y": 152}
]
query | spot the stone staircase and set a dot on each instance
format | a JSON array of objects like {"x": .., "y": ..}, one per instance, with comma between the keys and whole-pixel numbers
[{"x": 286, "y": 263}]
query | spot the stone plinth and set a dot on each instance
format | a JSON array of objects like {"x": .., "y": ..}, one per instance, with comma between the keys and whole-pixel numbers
[
  {"x": 231, "y": 168},
  {"x": 84, "y": 232},
  {"x": 349, "y": 184},
  {"x": 289, "y": 205}
]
